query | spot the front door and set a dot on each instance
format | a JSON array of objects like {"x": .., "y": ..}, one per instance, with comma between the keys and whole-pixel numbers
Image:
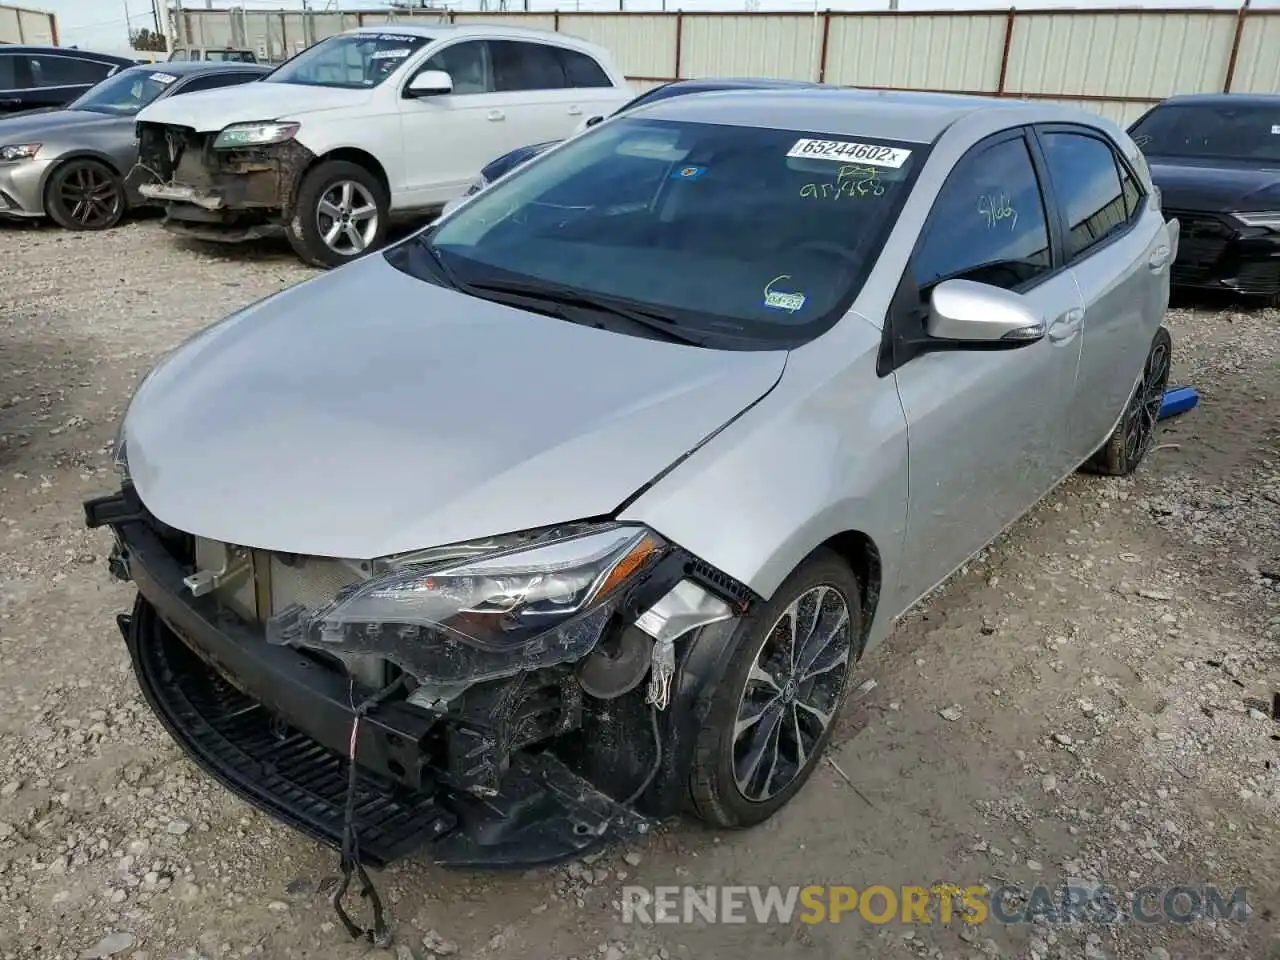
[
  {"x": 985, "y": 429},
  {"x": 447, "y": 139},
  {"x": 1120, "y": 254}
]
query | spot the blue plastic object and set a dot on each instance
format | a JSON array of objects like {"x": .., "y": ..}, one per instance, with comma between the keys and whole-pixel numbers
[{"x": 1178, "y": 400}]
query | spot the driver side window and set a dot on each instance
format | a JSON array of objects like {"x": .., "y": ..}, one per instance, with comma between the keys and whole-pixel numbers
[
  {"x": 988, "y": 223},
  {"x": 468, "y": 64}
]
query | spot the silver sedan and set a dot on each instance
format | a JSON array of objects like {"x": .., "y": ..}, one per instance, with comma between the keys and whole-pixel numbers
[
  {"x": 73, "y": 164},
  {"x": 624, "y": 465}
]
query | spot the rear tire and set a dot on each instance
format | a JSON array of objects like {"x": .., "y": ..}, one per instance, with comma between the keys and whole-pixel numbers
[
  {"x": 339, "y": 215},
  {"x": 761, "y": 686},
  {"x": 1131, "y": 439},
  {"x": 84, "y": 194}
]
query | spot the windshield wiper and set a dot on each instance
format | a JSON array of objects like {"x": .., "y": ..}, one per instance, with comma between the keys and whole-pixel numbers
[{"x": 656, "y": 321}]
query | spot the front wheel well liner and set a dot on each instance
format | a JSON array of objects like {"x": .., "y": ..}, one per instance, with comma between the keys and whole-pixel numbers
[{"x": 863, "y": 556}]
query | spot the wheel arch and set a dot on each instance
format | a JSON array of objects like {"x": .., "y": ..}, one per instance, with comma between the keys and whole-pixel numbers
[
  {"x": 357, "y": 155},
  {"x": 861, "y": 553}
]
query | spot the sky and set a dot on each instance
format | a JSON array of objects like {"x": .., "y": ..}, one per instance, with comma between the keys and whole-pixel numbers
[{"x": 101, "y": 24}]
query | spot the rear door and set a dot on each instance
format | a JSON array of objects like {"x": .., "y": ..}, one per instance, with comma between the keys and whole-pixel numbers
[
  {"x": 592, "y": 92},
  {"x": 1119, "y": 252},
  {"x": 985, "y": 428},
  {"x": 538, "y": 102}
]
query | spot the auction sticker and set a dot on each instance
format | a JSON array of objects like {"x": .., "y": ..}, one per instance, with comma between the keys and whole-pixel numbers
[
  {"x": 165, "y": 78},
  {"x": 843, "y": 151}
]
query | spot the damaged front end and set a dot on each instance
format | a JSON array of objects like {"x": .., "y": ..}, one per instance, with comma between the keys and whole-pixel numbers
[
  {"x": 546, "y": 687},
  {"x": 216, "y": 188}
]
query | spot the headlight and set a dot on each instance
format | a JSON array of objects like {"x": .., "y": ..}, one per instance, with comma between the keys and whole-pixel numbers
[
  {"x": 481, "y": 618},
  {"x": 1268, "y": 219},
  {"x": 258, "y": 134},
  {"x": 18, "y": 151}
]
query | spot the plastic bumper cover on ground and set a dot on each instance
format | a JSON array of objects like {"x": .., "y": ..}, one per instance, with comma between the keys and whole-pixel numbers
[{"x": 273, "y": 725}]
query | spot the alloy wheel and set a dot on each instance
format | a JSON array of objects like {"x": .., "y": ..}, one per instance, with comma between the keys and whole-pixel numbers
[
  {"x": 347, "y": 218},
  {"x": 792, "y": 693},
  {"x": 90, "y": 196},
  {"x": 1144, "y": 407}
]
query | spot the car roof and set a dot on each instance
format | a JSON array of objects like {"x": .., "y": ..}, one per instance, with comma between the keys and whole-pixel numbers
[
  {"x": 65, "y": 52},
  {"x": 1224, "y": 100},
  {"x": 882, "y": 114},
  {"x": 183, "y": 68},
  {"x": 441, "y": 31}
]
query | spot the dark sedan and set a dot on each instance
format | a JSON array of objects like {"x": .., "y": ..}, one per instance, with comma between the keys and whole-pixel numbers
[
  {"x": 35, "y": 77},
  {"x": 73, "y": 165},
  {"x": 676, "y": 88},
  {"x": 1216, "y": 160}
]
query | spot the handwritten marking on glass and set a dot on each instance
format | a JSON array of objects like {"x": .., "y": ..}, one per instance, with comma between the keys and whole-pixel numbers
[
  {"x": 850, "y": 181},
  {"x": 995, "y": 208}
]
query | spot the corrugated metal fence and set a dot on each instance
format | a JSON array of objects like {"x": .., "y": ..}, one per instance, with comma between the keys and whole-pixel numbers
[
  {"x": 1117, "y": 62},
  {"x": 20, "y": 25}
]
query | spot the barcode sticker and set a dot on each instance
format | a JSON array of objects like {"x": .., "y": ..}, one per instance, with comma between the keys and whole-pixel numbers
[{"x": 844, "y": 151}]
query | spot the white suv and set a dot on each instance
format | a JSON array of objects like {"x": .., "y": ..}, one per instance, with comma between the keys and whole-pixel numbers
[{"x": 370, "y": 123}]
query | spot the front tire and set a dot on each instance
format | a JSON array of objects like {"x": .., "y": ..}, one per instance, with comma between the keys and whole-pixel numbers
[
  {"x": 1131, "y": 439},
  {"x": 84, "y": 194},
  {"x": 340, "y": 214},
  {"x": 775, "y": 709}
]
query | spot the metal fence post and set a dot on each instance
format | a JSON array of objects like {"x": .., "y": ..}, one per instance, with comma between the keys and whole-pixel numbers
[
  {"x": 1009, "y": 21},
  {"x": 1241, "y": 16}
]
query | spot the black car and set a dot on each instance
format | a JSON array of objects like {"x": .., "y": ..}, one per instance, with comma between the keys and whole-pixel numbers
[
  {"x": 1216, "y": 160},
  {"x": 33, "y": 78},
  {"x": 676, "y": 88}
]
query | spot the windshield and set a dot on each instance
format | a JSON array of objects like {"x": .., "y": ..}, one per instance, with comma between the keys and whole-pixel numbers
[
  {"x": 352, "y": 60},
  {"x": 1217, "y": 132},
  {"x": 125, "y": 93},
  {"x": 752, "y": 233}
]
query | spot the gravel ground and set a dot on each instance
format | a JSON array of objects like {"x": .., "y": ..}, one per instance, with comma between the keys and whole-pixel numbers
[{"x": 1088, "y": 699}]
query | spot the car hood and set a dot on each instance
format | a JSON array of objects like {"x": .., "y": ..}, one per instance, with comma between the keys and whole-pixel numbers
[
  {"x": 1215, "y": 187},
  {"x": 211, "y": 110},
  {"x": 366, "y": 413},
  {"x": 13, "y": 129}
]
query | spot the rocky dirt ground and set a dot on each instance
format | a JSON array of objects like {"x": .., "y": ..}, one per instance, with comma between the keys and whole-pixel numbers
[{"x": 1089, "y": 699}]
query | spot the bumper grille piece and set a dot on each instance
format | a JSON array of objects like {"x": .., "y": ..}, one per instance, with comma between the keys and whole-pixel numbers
[{"x": 279, "y": 769}]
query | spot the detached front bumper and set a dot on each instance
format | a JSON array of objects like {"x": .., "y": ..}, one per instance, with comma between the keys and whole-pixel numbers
[
  {"x": 1215, "y": 252},
  {"x": 273, "y": 725},
  {"x": 22, "y": 189}
]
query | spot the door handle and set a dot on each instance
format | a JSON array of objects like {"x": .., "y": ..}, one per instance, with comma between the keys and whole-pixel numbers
[
  {"x": 575, "y": 111},
  {"x": 1159, "y": 259},
  {"x": 497, "y": 115},
  {"x": 1066, "y": 326}
]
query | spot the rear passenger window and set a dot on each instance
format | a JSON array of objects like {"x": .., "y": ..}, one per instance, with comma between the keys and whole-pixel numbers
[
  {"x": 581, "y": 70},
  {"x": 1085, "y": 178},
  {"x": 49, "y": 71},
  {"x": 1129, "y": 187},
  {"x": 988, "y": 223},
  {"x": 525, "y": 66}
]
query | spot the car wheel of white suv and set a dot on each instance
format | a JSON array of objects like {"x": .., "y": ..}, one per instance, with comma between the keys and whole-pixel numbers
[
  {"x": 778, "y": 702},
  {"x": 340, "y": 214}
]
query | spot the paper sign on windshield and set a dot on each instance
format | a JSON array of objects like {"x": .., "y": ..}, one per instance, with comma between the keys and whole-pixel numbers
[
  {"x": 844, "y": 151},
  {"x": 165, "y": 78}
]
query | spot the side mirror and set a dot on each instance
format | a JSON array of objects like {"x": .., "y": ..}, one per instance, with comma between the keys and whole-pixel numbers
[
  {"x": 967, "y": 313},
  {"x": 430, "y": 83}
]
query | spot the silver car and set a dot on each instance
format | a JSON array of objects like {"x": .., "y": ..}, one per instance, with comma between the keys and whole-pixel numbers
[
  {"x": 580, "y": 507},
  {"x": 73, "y": 164}
]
